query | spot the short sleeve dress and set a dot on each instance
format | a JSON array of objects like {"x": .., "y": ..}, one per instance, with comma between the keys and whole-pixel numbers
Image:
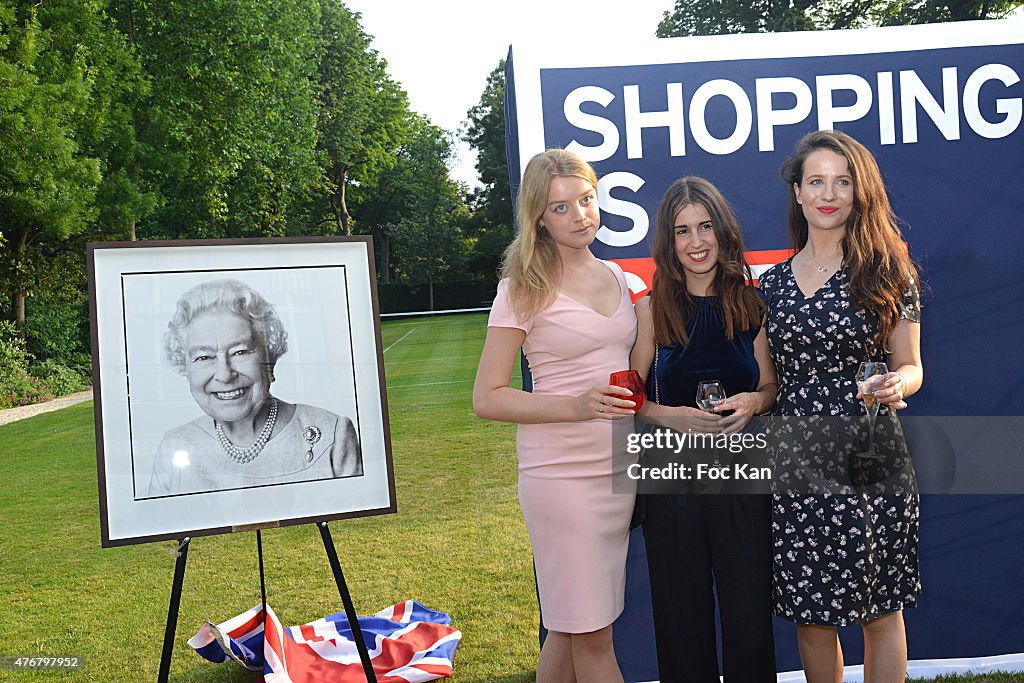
[
  {"x": 849, "y": 556},
  {"x": 579, "y": 528}
]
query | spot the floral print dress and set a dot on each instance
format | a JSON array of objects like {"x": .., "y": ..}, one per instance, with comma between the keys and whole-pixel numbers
[{"x": 844, "y": 527}]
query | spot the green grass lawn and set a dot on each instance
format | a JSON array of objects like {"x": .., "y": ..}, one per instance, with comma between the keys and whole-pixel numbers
[{"x": 457, "y": 544}]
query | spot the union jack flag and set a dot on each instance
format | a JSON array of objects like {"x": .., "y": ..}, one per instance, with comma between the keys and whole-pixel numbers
[{"x": 407, "y": 642}]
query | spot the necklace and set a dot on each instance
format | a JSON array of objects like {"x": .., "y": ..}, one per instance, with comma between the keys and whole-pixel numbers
[
  {"x": 820, "y": 267},
  {"x": 244, "y": 455}
]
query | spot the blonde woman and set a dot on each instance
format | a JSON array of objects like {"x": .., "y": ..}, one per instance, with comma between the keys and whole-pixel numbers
[{"x": 571, "y": 314}]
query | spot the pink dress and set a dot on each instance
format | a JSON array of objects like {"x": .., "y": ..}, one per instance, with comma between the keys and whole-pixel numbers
[{"x": 578, "y": 527}]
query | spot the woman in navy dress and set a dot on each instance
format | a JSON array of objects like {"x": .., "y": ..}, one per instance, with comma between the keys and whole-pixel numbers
[
  {"x": 703, "y": 321},
  {"x": 848, "y": 295}
]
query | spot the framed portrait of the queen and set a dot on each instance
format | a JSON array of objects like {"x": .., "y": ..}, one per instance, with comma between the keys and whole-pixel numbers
[{"x": 238, "y": 384}]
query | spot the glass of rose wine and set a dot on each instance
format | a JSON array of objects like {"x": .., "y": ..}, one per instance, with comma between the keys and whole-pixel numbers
[
  {"x": 870, "y": 377},
  {"x": 630, "y": 379}
]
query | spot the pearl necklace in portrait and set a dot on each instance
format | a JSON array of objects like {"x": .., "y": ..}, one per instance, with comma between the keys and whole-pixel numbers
[{"x": 244, "y": 455}]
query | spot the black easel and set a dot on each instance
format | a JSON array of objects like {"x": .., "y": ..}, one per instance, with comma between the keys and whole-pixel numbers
[
  {"x": 339, "y": 578},
  {"x": 172, "y": 609},
  {"x": 346, "y": 599},
  {"x": 263, "y": 583}
]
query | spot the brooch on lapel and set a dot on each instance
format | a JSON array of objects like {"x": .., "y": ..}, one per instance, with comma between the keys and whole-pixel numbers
[{"x": 312, "y": 435}]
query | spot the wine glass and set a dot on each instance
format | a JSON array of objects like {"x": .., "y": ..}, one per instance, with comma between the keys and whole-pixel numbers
[
  {"x": 710, "y": 393},
  {"x": 870, "y": 377},
  {"x": 630, "y": 379}
]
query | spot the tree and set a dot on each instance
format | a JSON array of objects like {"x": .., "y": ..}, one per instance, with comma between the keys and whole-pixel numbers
[
  {"x": 79, "y": 30},
  {"x": 900, "y": 12},
  {"x": 429, "y": 243},
  {"x": 47, "y": 182},
  {"x": 415, "y": 210},
  {"x": 491, "y": 224},
  {"x": 226, "y": 123},
  {"x": 362, "y": 112},
  {"x": 712, "y": 17}
]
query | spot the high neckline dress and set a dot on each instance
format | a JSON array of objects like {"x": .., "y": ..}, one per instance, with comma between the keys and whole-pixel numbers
[
  {"x": 578, "y": 527},
  {"x": 698, "y": 540}
]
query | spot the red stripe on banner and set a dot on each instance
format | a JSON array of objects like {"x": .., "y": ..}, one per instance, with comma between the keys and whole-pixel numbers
[
  {"x": 305, "y": 665},
  {"x": 309, "y": 634},
  {"x": 436, "y": 669},
  {"x": 398, "y": 612},
  {"x": 398, "y": 652},
  {"x": 392, "y": 679},
  {"x": 768, "y": 257},
  {"x": 248, "y": 627},
  {"x": 272, "y": 641},
  {"x": 643, "y": 268}
]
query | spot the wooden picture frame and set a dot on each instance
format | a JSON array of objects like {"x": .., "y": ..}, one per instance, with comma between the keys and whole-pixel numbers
[{"x": 196, "y": 342}]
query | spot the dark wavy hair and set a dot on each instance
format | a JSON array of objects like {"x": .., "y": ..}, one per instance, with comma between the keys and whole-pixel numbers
[
  {"x": 672, "y": 305},
  {"x": 231, "y": 296},
  {"x": 873, "y": 251}
]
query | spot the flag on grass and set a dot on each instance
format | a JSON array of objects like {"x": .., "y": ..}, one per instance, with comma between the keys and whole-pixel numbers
[{"x": 407, "y": 642}]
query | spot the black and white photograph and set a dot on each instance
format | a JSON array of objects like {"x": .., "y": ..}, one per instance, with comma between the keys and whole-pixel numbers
[
  {"x": 239, "y": 384},
  {"x": 225, "y": 340}
]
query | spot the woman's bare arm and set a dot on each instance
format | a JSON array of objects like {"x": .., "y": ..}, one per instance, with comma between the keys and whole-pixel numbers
[{"x": 494, "y": 399}]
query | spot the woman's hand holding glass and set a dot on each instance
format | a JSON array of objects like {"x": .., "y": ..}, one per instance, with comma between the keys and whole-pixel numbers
[
  {"x": 630, "y": 379},
  {"x": 891, "y": 391},
  {"x": 685, "y": 418},
  {"x": 744, "y": 406},
  {"x": 710, "y": 395},
  {"x": 604, "y": 402}
]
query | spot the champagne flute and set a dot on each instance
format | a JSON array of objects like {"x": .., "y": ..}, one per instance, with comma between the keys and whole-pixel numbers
[
  {"x": 870, "y": 377},
  {"x": 709, "y": 393}
]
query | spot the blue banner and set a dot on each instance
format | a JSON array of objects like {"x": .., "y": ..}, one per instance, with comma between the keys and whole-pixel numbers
[{"x": 940, "y": 106}]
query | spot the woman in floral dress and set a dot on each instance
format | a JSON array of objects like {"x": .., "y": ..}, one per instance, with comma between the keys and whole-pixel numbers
[{"x": 848, "y": 295}]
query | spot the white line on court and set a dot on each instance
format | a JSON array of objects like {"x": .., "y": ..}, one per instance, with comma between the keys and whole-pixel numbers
[
  {"x": 428, "y": 384},
  {"x": 400, "y": 339}
]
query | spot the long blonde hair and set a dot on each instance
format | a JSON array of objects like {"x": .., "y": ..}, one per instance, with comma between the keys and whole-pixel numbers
[{"x": 531, "y": 261}]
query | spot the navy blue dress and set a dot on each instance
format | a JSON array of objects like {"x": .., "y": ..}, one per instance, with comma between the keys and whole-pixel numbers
[
  {"x": 703, "y": 544},
  {"x": 708, "y": 355},
  {"x": 851, "y": 556}
]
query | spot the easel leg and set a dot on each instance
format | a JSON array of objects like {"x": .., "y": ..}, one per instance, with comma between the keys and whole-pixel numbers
[
  {"x": 346, "y": 599},
  {"x": 172, "y": 610},
  {"x": 263, "y": 583}
]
